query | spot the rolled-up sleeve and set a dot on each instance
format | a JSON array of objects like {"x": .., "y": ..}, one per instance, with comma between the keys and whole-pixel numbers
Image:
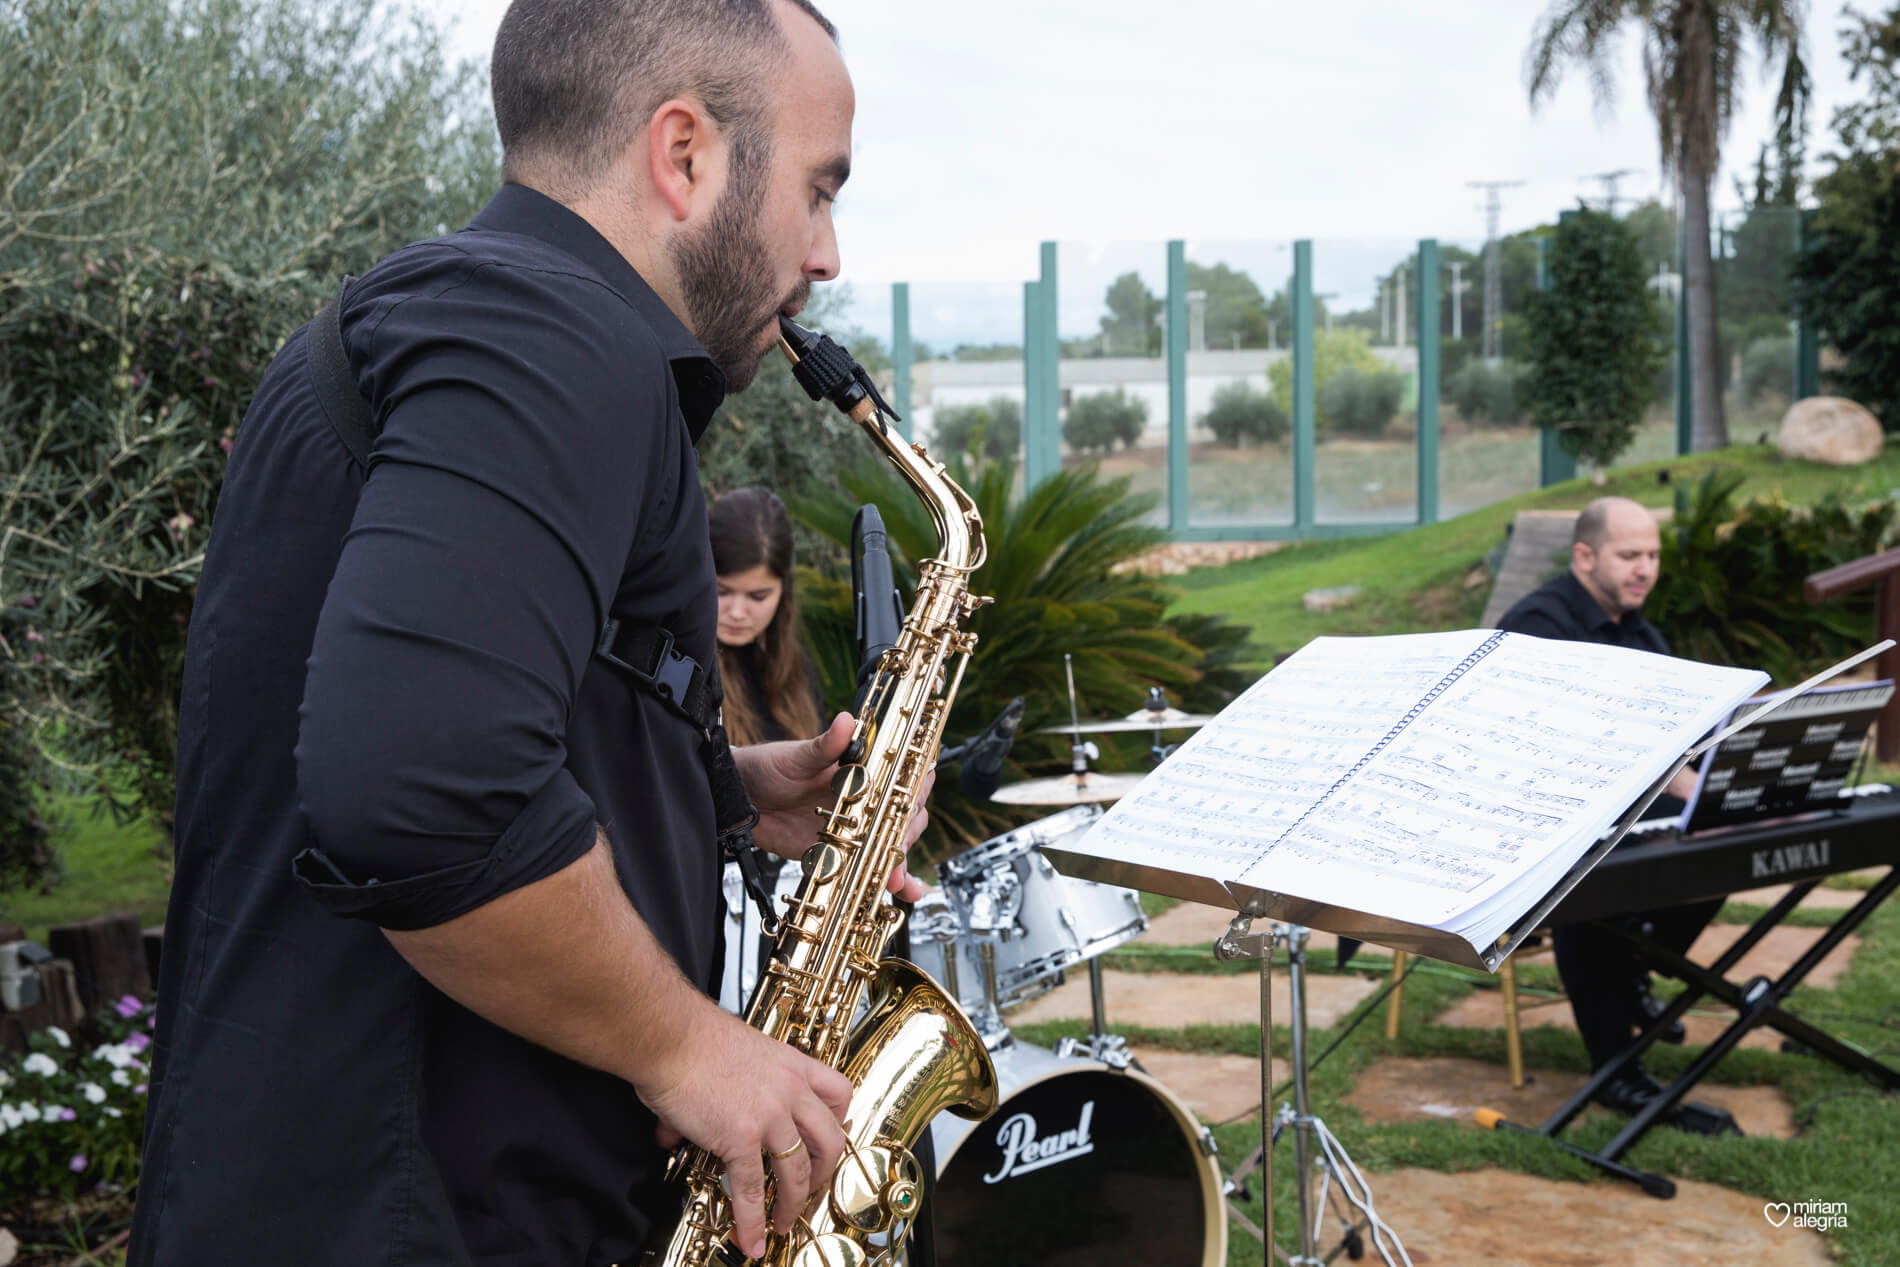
[{"x": 519, "y": 422}]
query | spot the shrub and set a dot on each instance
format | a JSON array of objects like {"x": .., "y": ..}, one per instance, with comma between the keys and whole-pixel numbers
[
  {"x": 1362, "y": 403},
  {"x": 1768, "y": 366},
  {"x": 1730, "y": 583},
  {"x": 164, "y": 232},
  {"x": 72, "y": 1110},
  {"x": 1096, "y": 421},
  {"x": 1593, "y": 339},
  {"x": 1486, "y": 391},
  {"x": 1240, "y": 413},
  {"x": 1453, "y": 355},
  {"x": 1334, "y": 351},
  {"x": 992, "y": 430}
]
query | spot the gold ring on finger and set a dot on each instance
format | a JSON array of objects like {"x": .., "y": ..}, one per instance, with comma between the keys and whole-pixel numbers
[{"x": 796, "y": 1145}]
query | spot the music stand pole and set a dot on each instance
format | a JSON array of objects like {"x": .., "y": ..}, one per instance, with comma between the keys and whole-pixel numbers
[{"x": 1239, "y": 943}]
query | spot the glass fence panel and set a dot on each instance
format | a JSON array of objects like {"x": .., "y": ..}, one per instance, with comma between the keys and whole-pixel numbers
[
  {"x": 1487, "y": 447},
  {"x": 1754, "y": 303},
  {"x": 1365, "y": 386},
  {"x": 1239, "y": 383},
  {"x": 966, "y": 383},
  {"x": 1111, "y": 318}
]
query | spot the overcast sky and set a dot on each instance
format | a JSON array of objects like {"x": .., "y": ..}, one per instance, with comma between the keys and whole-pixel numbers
[{"x": 986, "y": 127}]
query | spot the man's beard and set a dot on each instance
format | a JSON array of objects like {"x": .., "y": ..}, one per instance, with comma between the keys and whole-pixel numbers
[{"x": 725, "y": 273}]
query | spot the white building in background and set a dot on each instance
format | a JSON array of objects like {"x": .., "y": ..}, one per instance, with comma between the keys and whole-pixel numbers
[{"x": 941, "y": 384}]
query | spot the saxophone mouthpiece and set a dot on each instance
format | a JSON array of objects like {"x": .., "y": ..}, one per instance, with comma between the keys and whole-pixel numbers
[{"x": 827, "y": 372}]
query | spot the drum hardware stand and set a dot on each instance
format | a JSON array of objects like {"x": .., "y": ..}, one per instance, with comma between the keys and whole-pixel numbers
[{"x": 1238, "y": 942}]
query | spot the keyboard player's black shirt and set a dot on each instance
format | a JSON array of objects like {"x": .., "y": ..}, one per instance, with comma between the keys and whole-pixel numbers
[
  {"x": 390, "y": 716},
  {"x": 1562, "y": 608}
]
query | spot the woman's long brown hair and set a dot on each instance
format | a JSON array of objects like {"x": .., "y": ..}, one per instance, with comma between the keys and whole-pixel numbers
[{"x": 750, "y": 528}]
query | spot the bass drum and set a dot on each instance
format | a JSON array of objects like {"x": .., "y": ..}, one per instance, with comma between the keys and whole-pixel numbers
[{"x": 1081, "y": 1165}]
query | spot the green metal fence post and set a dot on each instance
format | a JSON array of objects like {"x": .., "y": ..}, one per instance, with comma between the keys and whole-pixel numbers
[
  {"x": 1685, "y": 386},
  {"x": 1049, "y": 375},
  {"x": 1427, "y": 381},
  {"x": 1807, "y": 339},
  {"x": 1177, "y": 388},
  {"x": 1033, "y": 421},
  {"x": 1303, "y": 412},
  {"x": 901, "y": 357}
]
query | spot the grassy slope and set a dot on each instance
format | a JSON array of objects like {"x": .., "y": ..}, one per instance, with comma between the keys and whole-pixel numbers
[{"x": 1414, "y": 581}]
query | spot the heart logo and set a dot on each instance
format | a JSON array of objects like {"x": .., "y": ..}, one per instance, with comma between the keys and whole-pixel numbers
[{"x": 1777, "y": 1212}]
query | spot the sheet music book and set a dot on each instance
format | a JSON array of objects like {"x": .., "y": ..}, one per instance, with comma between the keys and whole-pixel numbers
[
  {"x": 1796, "y": 760},
  {"x": 1440, "y": 783}
]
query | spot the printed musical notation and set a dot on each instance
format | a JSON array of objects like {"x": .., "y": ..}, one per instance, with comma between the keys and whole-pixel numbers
[{"x": 1418, "y": 777}]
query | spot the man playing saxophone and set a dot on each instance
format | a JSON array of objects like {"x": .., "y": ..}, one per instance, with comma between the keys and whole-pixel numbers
[{"x": 433, "y": 989}]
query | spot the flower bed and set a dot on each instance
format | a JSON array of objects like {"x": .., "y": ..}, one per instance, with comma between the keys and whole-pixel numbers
[{"x": 72, "y": 1112}]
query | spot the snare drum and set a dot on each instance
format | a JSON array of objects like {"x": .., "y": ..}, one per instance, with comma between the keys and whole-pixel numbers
[
  {"x": 1080, "y": 1164},
  {"x": 1040, "y": 920}
]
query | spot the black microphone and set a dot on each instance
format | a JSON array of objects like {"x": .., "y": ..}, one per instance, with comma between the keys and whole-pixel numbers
[
  {"x": 880, "y": 612},
  {"x": 982, "y": 757}
]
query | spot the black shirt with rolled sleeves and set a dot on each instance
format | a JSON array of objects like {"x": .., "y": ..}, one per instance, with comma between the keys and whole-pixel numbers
[{"x": 391, "y": 715}]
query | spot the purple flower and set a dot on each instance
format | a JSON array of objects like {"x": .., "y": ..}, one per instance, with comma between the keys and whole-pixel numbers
[
  {"x": 78, "y": 1164},
  {"x": 128, "y": 1005},
  {"x": 69, "y": 1115},
  {"x": 138, "y": 1042}
]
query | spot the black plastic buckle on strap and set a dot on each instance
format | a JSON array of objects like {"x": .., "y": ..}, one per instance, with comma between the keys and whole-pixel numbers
[{"x": 671, "y": 675}]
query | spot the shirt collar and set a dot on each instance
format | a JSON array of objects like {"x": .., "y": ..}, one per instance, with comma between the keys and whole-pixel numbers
[
  {"x": 1589, "y": 614},
  {"x": 519, "y": 209}
]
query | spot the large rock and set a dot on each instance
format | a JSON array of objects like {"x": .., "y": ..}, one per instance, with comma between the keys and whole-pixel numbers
[{"x": 1830, "y": 429}]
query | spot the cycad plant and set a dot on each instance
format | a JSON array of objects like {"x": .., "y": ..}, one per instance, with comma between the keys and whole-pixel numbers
[
  {"x": 1730, "y": 588},
  {"x": 1052, "y": 569}
]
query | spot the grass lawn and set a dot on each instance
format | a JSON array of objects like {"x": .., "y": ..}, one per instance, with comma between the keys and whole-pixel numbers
[
  {"x": 105, "y": 867},
  {"x": 1417, "y": 581}
]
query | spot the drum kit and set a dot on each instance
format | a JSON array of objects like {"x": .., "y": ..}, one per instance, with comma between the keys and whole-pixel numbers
[{"x": 1087, "y": 1159}]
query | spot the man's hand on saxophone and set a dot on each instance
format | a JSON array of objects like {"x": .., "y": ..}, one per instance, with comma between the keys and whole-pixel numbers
[
  {"x": 789, "y": 780},
  {"x": 749, "y": 1100}
]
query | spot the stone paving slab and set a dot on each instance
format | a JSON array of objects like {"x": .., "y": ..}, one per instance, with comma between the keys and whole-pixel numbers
[
  {"x": 1773, "y": 955},
  {"x": 1502, "y": 1219},
  {"x": 1450, "y": 1089},
  {"x": 1166, "y": 1000},
  {"x": 1218, "y": 1088},
  {"x": 1484, "y": 1009},
  {"x": 1819, "y": 899}
]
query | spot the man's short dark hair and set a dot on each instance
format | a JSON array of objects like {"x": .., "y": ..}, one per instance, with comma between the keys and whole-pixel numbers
[
  {"x": 1593, "y": 524},
  {"x": 575, "y": 80}
]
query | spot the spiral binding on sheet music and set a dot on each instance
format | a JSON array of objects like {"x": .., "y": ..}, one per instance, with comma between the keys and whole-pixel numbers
[{"x": 1439, "y": 687}]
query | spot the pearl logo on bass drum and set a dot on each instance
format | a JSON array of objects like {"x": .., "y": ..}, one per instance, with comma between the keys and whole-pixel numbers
[{"x": 1024, "y": 1152}]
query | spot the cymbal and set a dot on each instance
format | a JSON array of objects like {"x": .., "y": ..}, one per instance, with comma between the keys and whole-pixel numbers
[
  {"x": 1140, "y": 719},
  {"x": 1066, "y": 789}
]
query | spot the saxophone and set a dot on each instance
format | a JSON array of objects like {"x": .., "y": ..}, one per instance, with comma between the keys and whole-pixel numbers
[{"x": 911, "y": 1052}]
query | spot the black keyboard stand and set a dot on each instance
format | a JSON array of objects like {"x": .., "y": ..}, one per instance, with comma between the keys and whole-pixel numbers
[{"x": 1758, "y": 1002}]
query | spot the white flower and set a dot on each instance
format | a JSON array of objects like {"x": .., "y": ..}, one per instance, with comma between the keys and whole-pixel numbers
[
  {"x": 58, "y": 1035},
  {"x": 29, "y": 1112},
  {"x": 94, "y": 1093},
  {"x": 5, "y": 1077},
  {"x": 118, "y": 1055},
  {"x": 112, "y": 1112},
  {"x": 120, "y": 1078},
  {"x": 40, "y": 1063}
]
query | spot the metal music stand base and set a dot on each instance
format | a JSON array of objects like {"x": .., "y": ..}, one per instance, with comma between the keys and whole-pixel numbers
[{"x": 1330, "y": 1159}]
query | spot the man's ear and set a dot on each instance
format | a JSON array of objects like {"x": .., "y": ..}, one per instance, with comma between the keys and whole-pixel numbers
[
  {"x": 1582, "y": 557},
  {"x": 677, "y": 137}
]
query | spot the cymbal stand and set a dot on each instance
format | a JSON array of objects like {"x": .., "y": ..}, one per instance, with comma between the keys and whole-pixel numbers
[
  {"x": 1314, "y": 1145},
  {"x": 1101, "y": 1045}
]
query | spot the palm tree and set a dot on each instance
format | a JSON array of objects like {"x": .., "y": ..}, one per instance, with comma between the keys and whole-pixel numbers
[{"x": 1692, "y": 50}]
